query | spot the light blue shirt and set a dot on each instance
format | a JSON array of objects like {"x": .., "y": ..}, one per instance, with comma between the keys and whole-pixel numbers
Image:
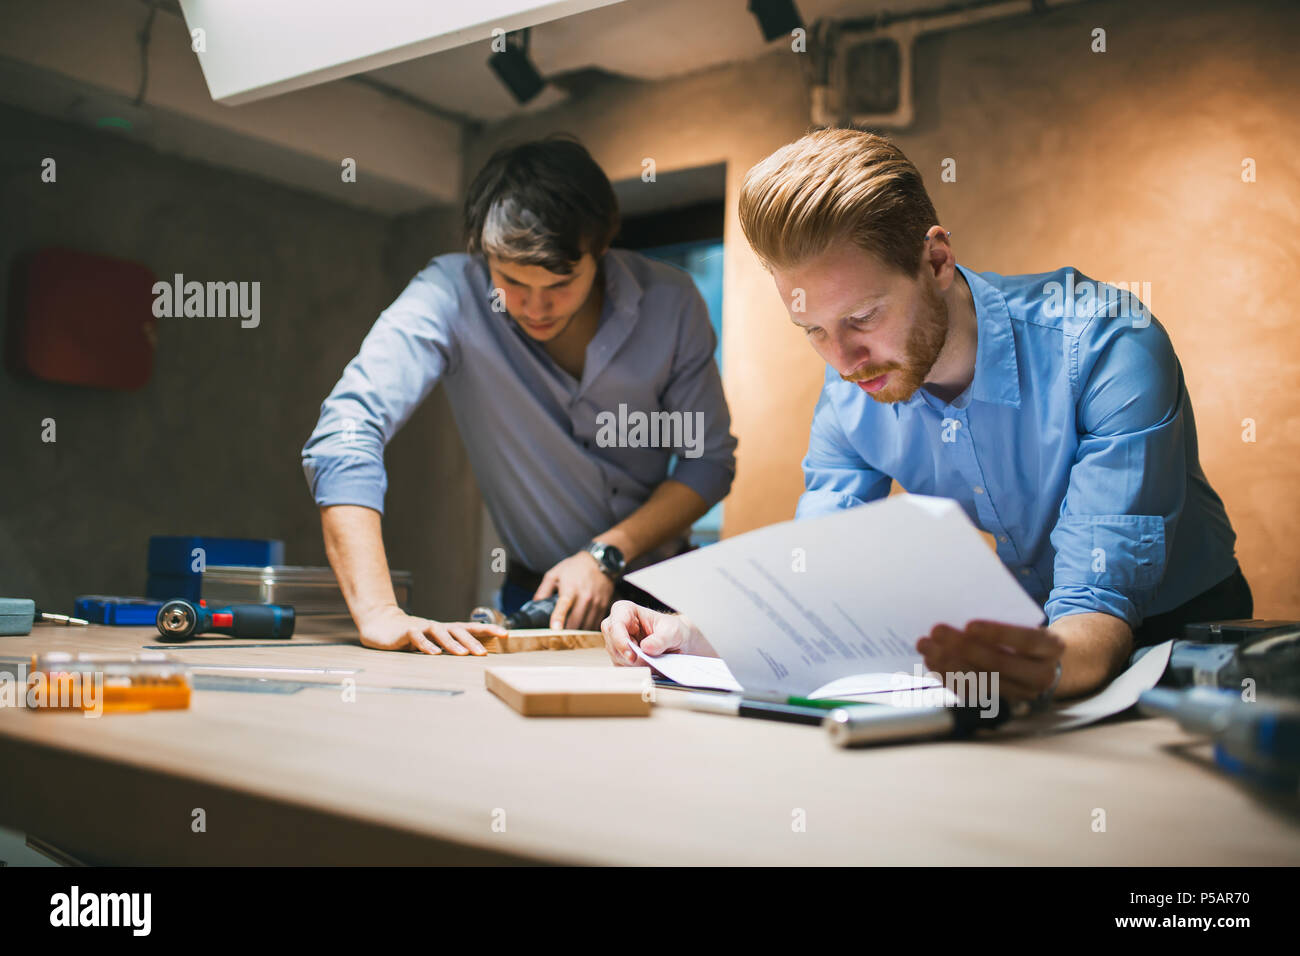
[
  {"x": 557, "y": 460},
  {"x": 1074, "y": 446}
]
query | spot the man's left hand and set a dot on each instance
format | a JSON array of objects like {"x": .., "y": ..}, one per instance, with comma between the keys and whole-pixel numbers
[
  {"x": 584, "y": 589},
  {"x": 1024, "y": 658}
]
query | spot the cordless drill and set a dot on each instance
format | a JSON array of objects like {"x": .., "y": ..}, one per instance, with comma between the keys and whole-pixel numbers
[
  {"x": 180, "y": 620},
  {"x": 531, "y": 615}
]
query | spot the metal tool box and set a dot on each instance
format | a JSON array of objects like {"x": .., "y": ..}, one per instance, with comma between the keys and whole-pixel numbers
[{"x": 314, "y": 593}]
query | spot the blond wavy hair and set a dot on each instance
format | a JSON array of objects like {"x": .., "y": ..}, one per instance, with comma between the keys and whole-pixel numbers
[{"x": 836, "y": 184}]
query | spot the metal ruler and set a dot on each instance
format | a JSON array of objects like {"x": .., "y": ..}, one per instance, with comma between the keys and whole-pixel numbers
[
  {"x": 194, "y": 646},
  {"x": 273, "y": 685}
]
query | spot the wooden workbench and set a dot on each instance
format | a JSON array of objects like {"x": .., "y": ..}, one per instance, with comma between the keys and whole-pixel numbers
[{"x": 414, "y": 779}]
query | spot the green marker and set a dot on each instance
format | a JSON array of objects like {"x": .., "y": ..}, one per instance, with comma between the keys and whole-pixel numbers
[{"x": 827, "y": 704}]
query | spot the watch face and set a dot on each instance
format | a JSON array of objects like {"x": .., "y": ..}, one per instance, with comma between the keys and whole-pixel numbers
[
  {"x": 609, "y": 557},
  {"x": 613, "y": 558}
]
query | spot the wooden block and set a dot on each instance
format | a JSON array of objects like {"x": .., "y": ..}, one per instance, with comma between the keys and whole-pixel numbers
[
  {"x": 541, "y": 639},
  {"x": 573, "y": 691}
]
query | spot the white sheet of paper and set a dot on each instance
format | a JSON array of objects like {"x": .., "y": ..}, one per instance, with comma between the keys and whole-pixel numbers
[
  {"x": 796, "y": 605},
  {"x": 691, "y": 670},
  {"x": 880, "y": 688},
  {"x": 1120, "y": 694},
  {"x": 712, "y": 673}
]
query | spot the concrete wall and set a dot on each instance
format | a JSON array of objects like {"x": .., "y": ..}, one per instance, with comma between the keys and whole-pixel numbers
[
  {"x": 211, "y": 445},
  {"x": 1125, "y": 164}
]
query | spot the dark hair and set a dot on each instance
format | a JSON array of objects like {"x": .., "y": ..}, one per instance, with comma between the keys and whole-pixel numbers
[{"x": 542, "y": 203}]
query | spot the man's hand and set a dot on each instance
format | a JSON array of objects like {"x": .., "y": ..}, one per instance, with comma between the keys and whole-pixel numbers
[
  {"x": 392, "y": 629},
  {"x": 585, "y": 592},
  {"x": 1024, "y": 658},
  {"x": 656, "y": 632}
]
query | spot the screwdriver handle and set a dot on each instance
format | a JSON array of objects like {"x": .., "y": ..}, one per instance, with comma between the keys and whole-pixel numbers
[{"x": 16, "y": 615}]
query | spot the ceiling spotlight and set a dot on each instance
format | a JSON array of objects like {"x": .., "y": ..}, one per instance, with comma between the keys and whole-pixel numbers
[
  {"x": 777, "y": 18},
  {"x": 515, "y": 69}
]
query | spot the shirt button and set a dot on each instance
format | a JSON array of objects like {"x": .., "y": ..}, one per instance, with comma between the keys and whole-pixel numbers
[
  {"x": 1024, "y": 571},
  {"x": 979, "y": 490},
  {"x": 1002, "y": 538}
]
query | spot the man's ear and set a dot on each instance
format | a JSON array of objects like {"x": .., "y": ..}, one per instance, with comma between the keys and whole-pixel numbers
[{"x": 938, "y": 256}]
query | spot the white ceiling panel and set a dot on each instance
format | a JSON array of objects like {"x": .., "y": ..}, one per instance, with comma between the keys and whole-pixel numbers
[{"x": 260, "y": 48}]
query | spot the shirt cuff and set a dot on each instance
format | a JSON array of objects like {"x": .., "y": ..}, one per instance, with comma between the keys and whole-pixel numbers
[
  {"x": 1081, "y": 599},
  {"x": 824, "y": 501},
  {"x": 708, "y": 479},
  {"x": 348, "y": 480}
]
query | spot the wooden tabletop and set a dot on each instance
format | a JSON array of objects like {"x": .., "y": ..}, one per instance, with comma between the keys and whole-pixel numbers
[{"x": 312, "y": 778}]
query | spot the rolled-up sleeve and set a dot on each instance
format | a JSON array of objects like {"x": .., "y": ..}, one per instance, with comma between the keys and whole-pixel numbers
[
  {"x": 835, "y": 475},
  {"x": 408, "y": 350},
  {"x": 1128, "y": 481},
  {"x": 695, "y": 388}
]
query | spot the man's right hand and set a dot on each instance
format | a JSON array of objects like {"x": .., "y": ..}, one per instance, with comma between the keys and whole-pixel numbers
[
  {"x": 656, "y": 632},
  {"x": 392, "y": 629}
]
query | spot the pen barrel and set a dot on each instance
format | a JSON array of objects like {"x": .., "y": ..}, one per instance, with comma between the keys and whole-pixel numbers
[
  {"x": 860, "y": 726},
  {"x": 770, "y": 710}
]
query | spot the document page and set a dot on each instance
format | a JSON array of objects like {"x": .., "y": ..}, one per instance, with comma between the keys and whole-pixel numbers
[
  {"x": 796, "y": 605},
  {"x": 1119, "y": 695},
  {"x": 711, "y": 673}
]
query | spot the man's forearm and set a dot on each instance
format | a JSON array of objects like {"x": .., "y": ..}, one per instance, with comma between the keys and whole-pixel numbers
[
  {"x": 669, "y": 511},
  {"x": 354, "y": 544},
  {"x": 1097, "y": 646}
]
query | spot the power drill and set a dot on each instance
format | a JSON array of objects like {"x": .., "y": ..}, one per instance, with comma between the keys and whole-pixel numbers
[
  {"x": 180, "y": 620},
  {"x": 533, "y": 614}
]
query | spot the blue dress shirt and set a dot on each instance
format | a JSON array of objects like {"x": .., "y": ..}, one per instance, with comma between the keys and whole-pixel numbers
[
  {"x": 1074, "y": 446},
  {"x": 548, "y": 472}
]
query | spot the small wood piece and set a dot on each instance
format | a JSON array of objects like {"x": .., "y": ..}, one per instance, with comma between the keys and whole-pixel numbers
[
  {"x": 573, "y": 691},
  {"x": 541, "y": 639}
]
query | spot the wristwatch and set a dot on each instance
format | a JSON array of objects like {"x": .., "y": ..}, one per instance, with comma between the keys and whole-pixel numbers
[{"x": 608, "y": 557}]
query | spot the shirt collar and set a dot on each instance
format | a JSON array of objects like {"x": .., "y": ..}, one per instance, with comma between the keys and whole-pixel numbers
[
  {"x": 618, "y": 314},
  {"x": 622, "y": 290},
  {"x": 997, "y": 372},
  {"x": 997, "y": 375}
]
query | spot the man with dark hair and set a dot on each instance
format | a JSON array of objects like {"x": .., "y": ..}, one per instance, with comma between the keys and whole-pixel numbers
[{"x": 549, "y": 344}]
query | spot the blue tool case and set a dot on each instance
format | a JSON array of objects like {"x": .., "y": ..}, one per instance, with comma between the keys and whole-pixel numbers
[{"x": 176, "y": 563}]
